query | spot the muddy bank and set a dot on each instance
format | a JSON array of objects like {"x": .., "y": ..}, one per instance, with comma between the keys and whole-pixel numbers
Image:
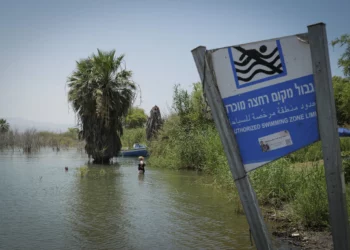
[
  {"x": 298, "y": 237},
  {"x": 306, "y": 239}
]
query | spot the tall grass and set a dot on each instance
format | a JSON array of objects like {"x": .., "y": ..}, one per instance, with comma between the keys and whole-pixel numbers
[
  {"x": 301, "y": 189},
  {"x": 191, "y": 148},
  {"x": 310, "y": 206},
  {"x": 276, "y": 183},
  {"x": 93, "y": 172},
  {"x": 313, "y": 152}
]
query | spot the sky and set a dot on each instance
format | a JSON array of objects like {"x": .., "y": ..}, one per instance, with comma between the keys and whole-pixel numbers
[{"x": 41, "y": 41}]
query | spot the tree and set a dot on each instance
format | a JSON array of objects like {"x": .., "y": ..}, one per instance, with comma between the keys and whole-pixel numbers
[
  {"x": 341, "y": 88},
  {"x": 191, "y": 108},
  {"x": 342, "y": 85},
  {"x": 154, "y": 123},
  {"x": 101, "y": 93},
  {"x": 344, "y": 60},
  {"x": 4, "y": 126},
  {"x": 136, "y": 118},
  {"x": 201, "y": 110}
]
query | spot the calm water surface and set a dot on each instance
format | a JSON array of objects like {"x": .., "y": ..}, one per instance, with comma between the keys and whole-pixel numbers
[{"x": 112, "y": 207}]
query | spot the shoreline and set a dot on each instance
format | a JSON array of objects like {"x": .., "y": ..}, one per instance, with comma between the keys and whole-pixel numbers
[{"x": 295, "y": 235}]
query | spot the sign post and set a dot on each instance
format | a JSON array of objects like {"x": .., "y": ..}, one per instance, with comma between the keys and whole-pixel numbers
[
  {"x": 329, "y": 136},
  {"x": 263, "y": 101}
]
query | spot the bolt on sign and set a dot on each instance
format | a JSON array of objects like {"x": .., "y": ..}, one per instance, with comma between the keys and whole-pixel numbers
[{"x": 267, "y": 88}]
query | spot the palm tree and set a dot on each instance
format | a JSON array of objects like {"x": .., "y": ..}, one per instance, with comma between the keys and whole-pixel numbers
[
  {"x": 101, "y": 93},
  {"x": 4, "y": 126}
]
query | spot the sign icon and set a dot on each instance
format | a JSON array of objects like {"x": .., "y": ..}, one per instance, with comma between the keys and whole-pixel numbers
[{"x": 255, "y": 65}]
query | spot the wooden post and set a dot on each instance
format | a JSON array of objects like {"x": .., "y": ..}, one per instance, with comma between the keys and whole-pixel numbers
[
  {"x": 327, "y": 123},
  {"x": 245, "y": 190}
]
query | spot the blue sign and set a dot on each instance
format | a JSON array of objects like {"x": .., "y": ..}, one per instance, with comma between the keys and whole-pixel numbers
[
  {"x": 274, "y": 121},
  {"x": 269, "y": 97}
]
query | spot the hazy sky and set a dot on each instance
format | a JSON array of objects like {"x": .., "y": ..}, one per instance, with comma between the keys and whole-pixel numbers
[{"x": 40, "y": 42}]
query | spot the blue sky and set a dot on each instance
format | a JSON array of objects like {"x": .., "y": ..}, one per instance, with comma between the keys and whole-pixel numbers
[{"x": 41, "y": 40}]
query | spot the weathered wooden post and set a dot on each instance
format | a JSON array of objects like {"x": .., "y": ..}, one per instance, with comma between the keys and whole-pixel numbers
[{"x": 329, "y": 135}]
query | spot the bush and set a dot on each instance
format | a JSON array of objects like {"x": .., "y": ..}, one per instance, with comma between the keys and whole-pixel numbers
[
  {"x": 178, "y": 147},
  {"x": 313, "y": 152},
  {"x": 310, "y": 206},
  {"x": 345, "y": 144},
  {"x": 346, "y": 165},
  {"x": 275, "y": 183}
]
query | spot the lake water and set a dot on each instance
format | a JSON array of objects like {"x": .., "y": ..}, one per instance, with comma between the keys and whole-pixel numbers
[{"x": 44, "y": 207}]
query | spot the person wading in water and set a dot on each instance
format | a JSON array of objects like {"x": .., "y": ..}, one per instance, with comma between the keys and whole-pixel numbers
[{"x": 141, "y": 165}]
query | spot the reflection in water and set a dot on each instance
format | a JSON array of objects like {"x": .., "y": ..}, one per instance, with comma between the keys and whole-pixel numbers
[
  {"x": 97, "y": 211},
  {"x": 141, "y": 177},
  {"x": 209, "y": 215},
  {"x": 112, "y": 207}
]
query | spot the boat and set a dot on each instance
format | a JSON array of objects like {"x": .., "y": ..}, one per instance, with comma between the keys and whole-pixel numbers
[
  {"x": 137, "y": 150},
  {"x": 343, "y": 132}
]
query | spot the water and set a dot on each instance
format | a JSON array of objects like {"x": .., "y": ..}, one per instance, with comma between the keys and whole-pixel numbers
[{"x": 44, "y": 207}]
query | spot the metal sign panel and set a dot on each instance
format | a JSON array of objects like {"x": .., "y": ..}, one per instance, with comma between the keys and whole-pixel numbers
[{"x": 268, "y": 91}]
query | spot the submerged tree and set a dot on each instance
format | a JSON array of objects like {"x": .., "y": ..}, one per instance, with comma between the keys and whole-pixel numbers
[
  {"x": 154, "y": 123},
  {"x": 30, "y": 141},
  {"x": 101, "y": 93}
]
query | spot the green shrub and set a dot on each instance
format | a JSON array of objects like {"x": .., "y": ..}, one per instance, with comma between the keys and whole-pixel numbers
[
  {"x": 345, "y": 144},
  {"x": 275, "y": 183},
  {"x": 346, "y": 165},
  {"x": 310, "y": 206},
  {"x": 313, "y": 152},
  {"x": 178, "y": 147}
]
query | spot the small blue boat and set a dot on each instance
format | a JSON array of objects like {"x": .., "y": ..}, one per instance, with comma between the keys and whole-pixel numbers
[
  {"x": 343, "y": 132},
  {"x": 137, "y": 150}
]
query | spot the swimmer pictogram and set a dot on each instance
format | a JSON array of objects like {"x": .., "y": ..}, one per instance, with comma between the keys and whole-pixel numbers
[{"x": 255, "y": 65}]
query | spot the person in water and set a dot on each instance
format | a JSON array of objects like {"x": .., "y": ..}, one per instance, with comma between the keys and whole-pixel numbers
[{"x": 141, "y": 164}]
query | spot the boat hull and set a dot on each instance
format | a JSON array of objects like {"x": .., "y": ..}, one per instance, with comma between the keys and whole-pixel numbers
[
  {"x": 343, "y": 132},
  {"x": 134, "y": 153}
]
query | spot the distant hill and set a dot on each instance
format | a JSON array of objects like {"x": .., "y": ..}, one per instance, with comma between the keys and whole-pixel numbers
[{"x": 23, "y": 124}]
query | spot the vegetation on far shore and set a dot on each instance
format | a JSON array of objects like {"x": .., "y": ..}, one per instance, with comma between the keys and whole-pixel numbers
[{"x": 31, "y": 140}]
